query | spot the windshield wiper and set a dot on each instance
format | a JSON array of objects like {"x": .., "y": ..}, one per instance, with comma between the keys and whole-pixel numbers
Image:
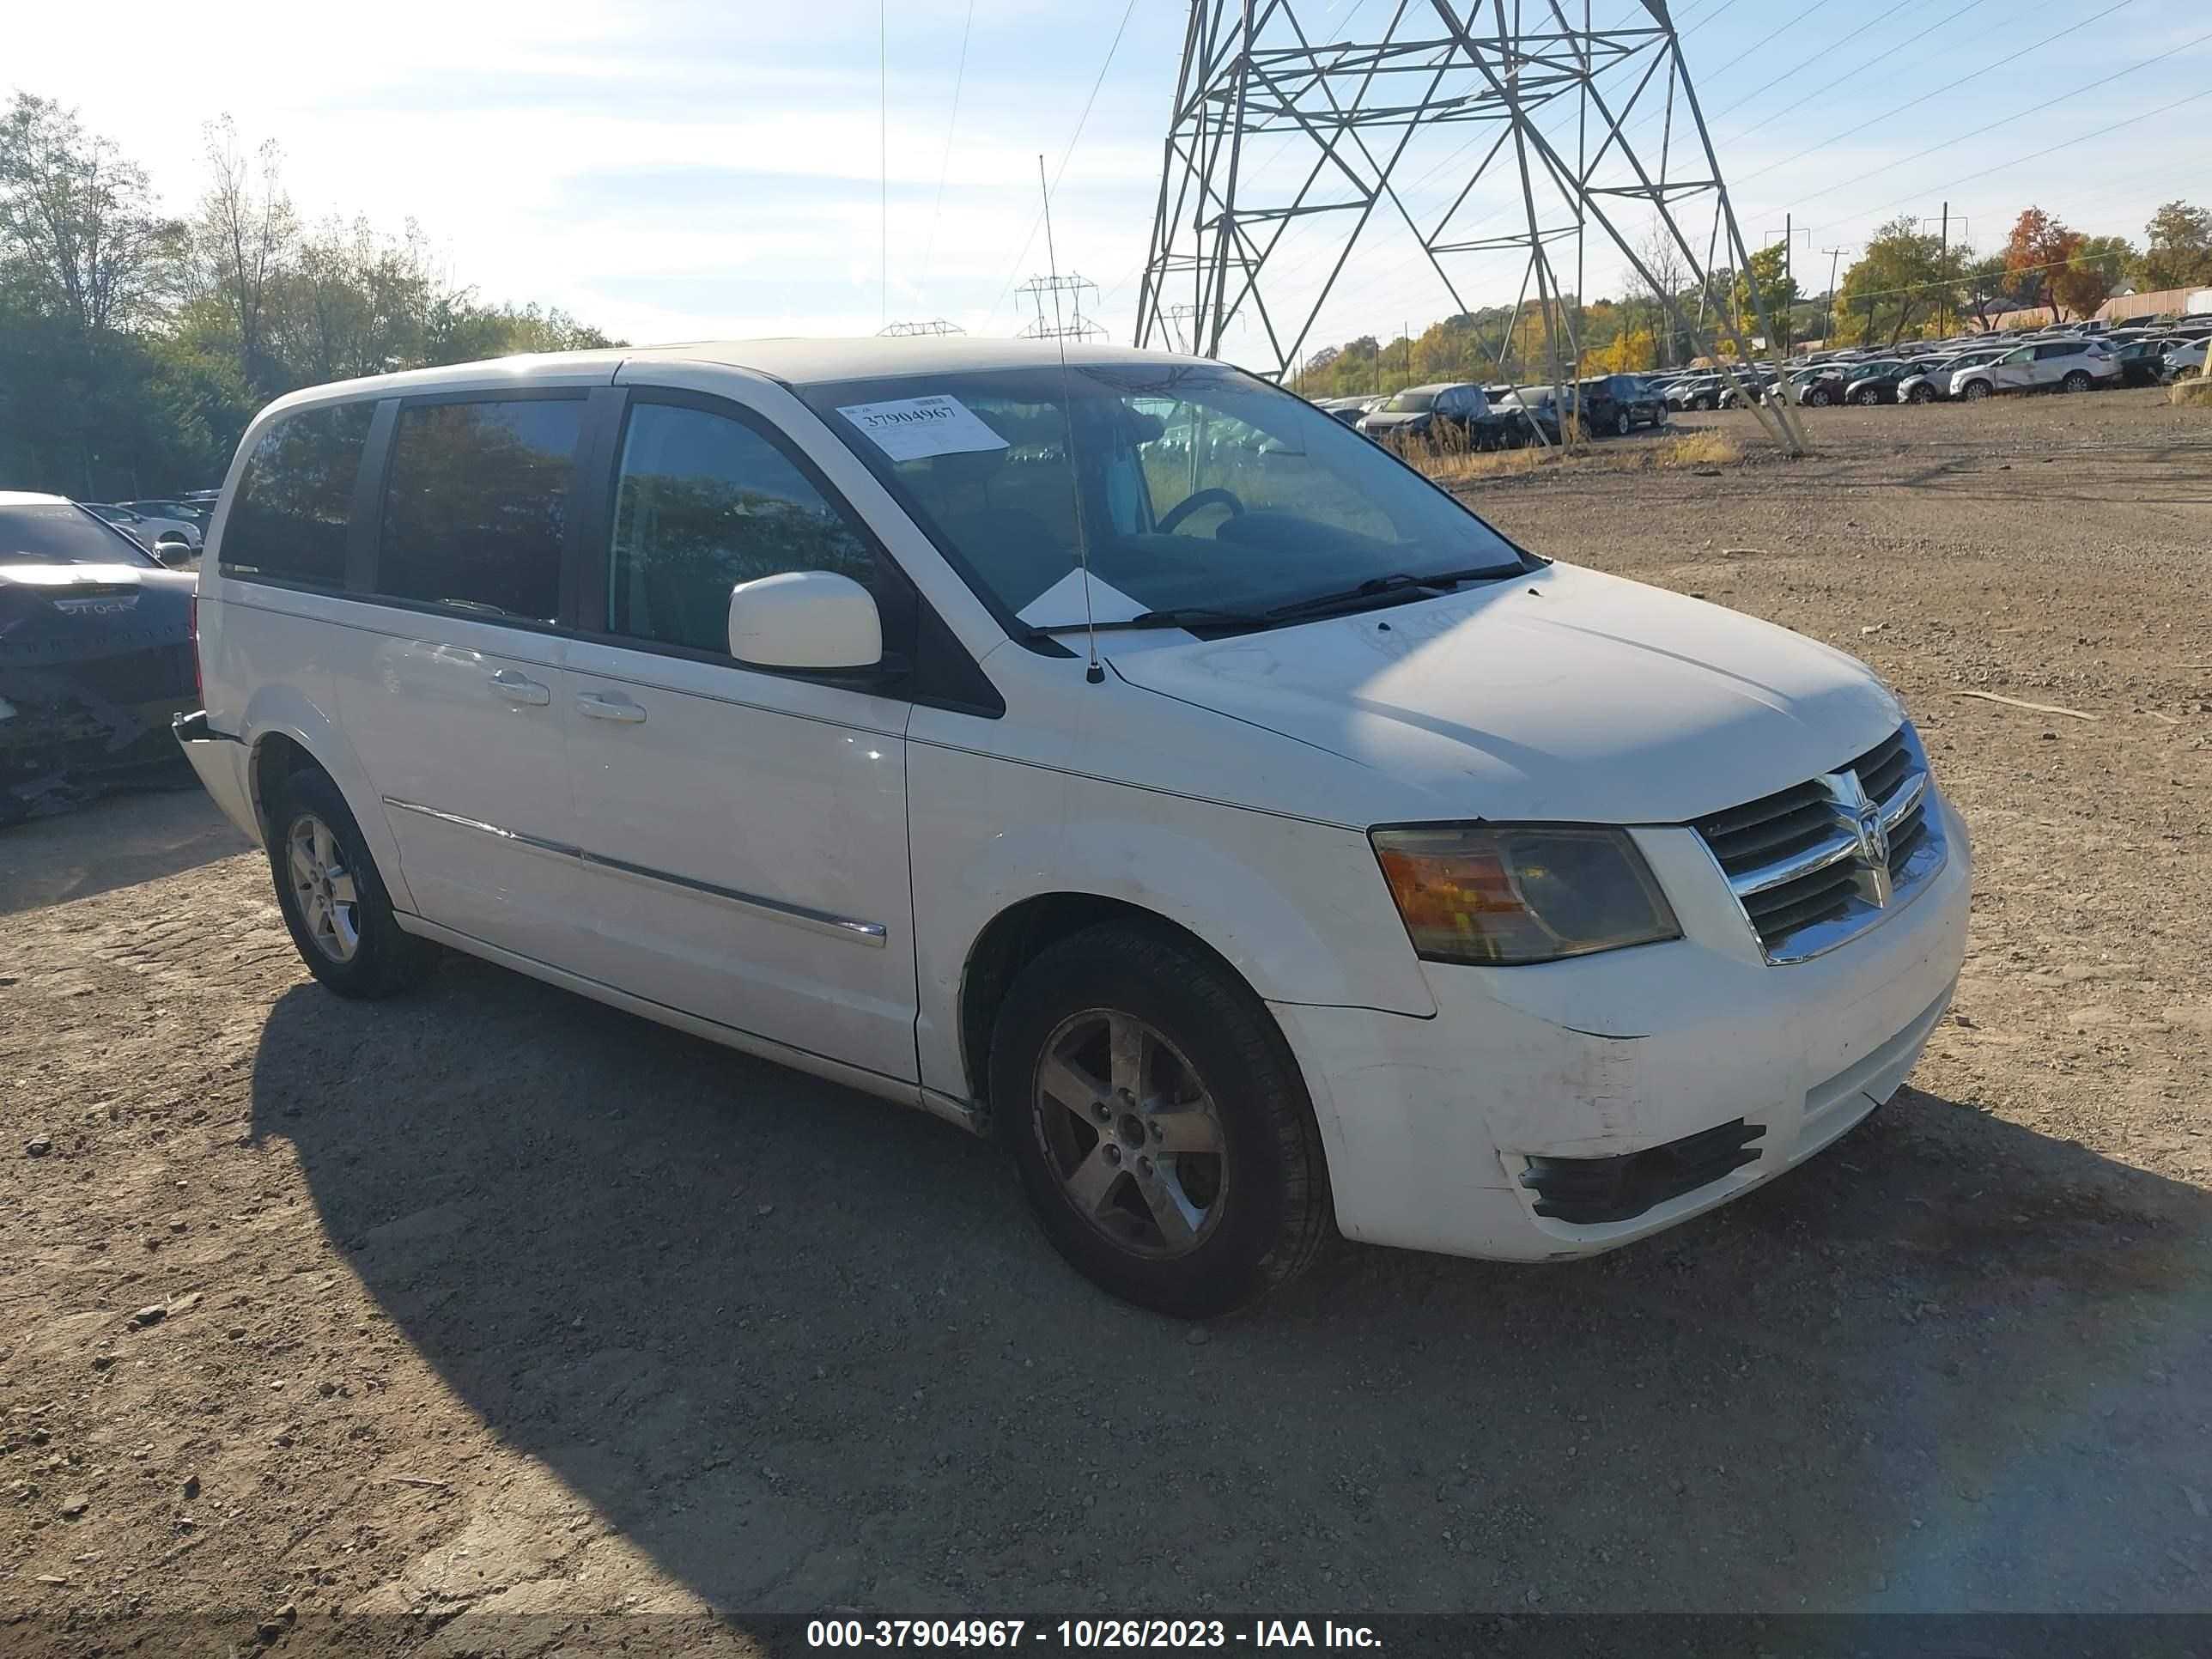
[
  {"x": 1376, "y": 587},
  {"x": 1188, "y": 616}
]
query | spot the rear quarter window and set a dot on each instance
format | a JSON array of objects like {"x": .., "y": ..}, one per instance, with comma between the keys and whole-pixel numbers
[{"x": 293, "y": 508}]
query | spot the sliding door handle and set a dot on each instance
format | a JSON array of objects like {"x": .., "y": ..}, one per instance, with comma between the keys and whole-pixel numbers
[
  {"x": 594, "y": 705},
  {"x": 520, "y": 688}
]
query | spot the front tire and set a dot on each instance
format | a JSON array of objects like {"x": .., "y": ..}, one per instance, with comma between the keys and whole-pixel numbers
[
  {"x": 1623, "y": 424},
  {"x": 1867, "y": 397},
  {"x": 334, "y": 901},
  {"x": 1163, "y": 1133},
  {"x": 1976, "y": 391},
  {"x": 1924, "y": 394}
]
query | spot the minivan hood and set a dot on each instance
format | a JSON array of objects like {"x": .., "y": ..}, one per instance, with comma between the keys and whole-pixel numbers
[{"x": 1565, "y": 695}]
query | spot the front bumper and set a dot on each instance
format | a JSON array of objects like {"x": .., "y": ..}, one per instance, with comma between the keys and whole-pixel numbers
[{"x": 1432, "y": 1125}]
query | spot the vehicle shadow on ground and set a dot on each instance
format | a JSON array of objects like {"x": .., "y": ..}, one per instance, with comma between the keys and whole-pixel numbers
[
  {"x": 119, "y": 841},
  {"x": 806, "y": 1350}
]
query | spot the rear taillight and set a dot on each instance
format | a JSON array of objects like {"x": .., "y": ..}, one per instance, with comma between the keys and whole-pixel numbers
[{"x": 192, "y": 622}]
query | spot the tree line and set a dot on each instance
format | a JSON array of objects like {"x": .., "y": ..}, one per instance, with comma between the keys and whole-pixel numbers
[
  {"x": 1910, "y": 282},
  {"x": 135, "y": 343}
]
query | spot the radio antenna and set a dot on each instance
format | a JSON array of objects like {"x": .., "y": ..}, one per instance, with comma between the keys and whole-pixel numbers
[{"x": 1092, "y": 673}]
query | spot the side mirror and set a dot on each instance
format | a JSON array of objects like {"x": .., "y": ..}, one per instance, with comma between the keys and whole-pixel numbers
[
  {"x": 806, "y": 619},
  {"x": 173, "y": 551}
]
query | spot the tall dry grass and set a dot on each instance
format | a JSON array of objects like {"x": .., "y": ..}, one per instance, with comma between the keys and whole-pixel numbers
[{"x": 1449, "y": 464}]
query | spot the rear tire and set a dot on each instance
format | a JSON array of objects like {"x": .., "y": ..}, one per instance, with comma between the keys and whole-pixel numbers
[
  {"x": 334, "y": 901},
  {"x": 1163, "y": 1133},
  {"x": 1623, "y": 424},
  {"x": 2078, "y": 381}
]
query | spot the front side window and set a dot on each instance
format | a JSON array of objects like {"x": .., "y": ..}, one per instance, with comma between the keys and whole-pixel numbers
[
  {"x": 706, "y": 503},
  {"x": 476, "y": 508},
  {"x": 1192, "y": 486},
  {"x": 293, "y": 508}
]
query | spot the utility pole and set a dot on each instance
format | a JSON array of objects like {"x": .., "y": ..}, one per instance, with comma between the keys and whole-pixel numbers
[
  {"x": 1943, "y": 264},
  {"x": 1835, "y": 258}
]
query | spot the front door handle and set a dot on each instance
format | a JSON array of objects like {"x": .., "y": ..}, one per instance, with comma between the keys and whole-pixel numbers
[
  {"x": 599, "y": 707},
  {"x": 520, "y": 688}
]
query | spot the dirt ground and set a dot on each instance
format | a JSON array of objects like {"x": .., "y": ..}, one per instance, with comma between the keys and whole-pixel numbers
[{"x": 491, "y": 1319}]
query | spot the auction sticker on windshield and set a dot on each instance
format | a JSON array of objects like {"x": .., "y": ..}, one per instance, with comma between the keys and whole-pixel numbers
[{"x": 914, "y": 428}]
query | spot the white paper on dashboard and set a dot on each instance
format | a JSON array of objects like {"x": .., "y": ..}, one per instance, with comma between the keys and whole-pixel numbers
[
  {"x": 1061, "y": 605},
  {"x": 914, "y": 428}
]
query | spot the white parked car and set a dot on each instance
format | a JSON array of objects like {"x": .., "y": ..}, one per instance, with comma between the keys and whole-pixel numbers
[
  {"x": 1936, "y": 384},
  {"x": 147, "y": 529},
  {"x": 1374, "y": 874},
  {"x": 2068, "y": 365},
  {"x": 2185, "y": 359}
]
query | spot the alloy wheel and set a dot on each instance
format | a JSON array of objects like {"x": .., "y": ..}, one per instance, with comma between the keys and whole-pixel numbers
[
  {"x": 324, "y": 888},
  {"x": 1132, "y": 1133}
]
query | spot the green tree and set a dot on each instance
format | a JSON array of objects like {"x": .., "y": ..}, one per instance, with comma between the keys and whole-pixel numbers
[
  {"x": 1768, "y": 269},
  {"x": 242, "y": 241},
  {"x": 83, "y": 219},
  {"x": 2177, "y": 250},
  {"x": 1902, "y": 278}
]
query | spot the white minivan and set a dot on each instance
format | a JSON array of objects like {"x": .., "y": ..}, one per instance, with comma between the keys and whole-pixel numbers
[{"x": 1122, "y": 757}]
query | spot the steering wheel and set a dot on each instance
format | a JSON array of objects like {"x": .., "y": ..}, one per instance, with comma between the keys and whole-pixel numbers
[{"x": 1190, "y": 504}]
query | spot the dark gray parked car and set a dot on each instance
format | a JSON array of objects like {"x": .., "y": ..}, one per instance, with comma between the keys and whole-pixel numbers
[{"x": 95, "y": 657}]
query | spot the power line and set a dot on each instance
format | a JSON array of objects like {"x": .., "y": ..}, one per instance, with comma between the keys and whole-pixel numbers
[
  {"x": 2037, "y": 156},
  {"x": 1113, "y": 46},
  {"x": 2009, "y": 57},
  {"x": 1857, "y": 28},
  {"x": 952, "y": 125},
  {"x": 1848, "y": 74},
  {"x": 2020, "y": 115}
]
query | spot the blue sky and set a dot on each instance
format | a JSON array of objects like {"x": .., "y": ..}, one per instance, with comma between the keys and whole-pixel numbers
[{"x": 671, "y": 169}]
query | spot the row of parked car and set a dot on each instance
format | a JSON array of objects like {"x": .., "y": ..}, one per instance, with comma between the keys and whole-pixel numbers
[
  {"x": 1967, "y": 368},
  {"x": 1503, "y": 416}
]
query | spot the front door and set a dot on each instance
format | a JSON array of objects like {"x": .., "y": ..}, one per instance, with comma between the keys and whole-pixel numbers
[{"x": 742, "y": 831}]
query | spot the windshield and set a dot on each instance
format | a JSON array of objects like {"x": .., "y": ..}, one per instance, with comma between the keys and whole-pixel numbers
[
  {"x": 1411, "y": 403},
  {"x": 58, "y": 533},
  {"x": 1199, "y": 488}
]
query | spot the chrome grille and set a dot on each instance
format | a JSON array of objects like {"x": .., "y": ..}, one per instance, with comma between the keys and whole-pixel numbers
[{"x": 1822, "y": 860}]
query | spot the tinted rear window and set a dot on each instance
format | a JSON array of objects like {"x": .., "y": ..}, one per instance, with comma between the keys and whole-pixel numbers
[
  {"x": 477, "y": 510},
  {"x": 294, "y": 501},
  {"x": 57, "y": 533}
]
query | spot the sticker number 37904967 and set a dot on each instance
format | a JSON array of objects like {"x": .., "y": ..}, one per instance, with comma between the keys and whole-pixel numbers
[{"x": 914, "y": 428}]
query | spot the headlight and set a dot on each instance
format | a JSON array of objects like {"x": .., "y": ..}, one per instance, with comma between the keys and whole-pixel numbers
[{"x": 1500, "y": 894}]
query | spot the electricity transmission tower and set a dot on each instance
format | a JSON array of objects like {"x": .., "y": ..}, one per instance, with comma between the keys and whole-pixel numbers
[
  {"x": 1506, "y": 138},
  {"x": 907, "y": 331},
  {"x": 1064, "y": 324}
]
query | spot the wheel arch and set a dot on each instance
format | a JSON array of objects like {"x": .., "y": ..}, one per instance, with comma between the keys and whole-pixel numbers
[
  {"x": 285, "y": 730},
  {"x": 1023, "y": 931}
]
